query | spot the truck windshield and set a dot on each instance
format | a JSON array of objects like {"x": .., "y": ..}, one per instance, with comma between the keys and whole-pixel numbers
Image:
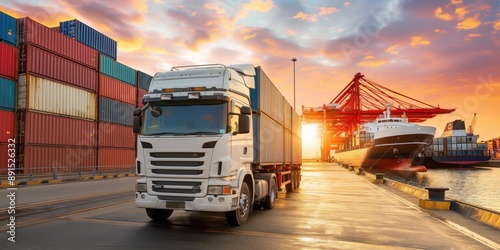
[{"x": 206, "y": 119}]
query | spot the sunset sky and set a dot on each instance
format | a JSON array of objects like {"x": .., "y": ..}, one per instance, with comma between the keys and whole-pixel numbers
[{"x": 444, "y": 53}]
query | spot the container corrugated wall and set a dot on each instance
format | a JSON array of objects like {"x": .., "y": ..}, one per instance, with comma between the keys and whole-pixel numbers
[
  {"x": 288, "y": 110},
  {"x": 37, "y": 128},
  {"x": 8, "y": 61},
  {"x": 89, "y": 36},
  {"x": 4, "y": 159},
  {"x": 121, "y": 157},
  {"x": 36, "y": 93},
  {"x": 269, "y": 140},
  {"x": 143, "y": 80},
  {"x": 8, "y": 29},
  {"x": 44, "y": 63},
  {"x": 288, "y": 147},
  {"x": 140, "y": 95},
  {"x": 115, "y": 112},
  {"x": 55, "y": 42},
  {"x": 117, "y": 70},
  {"x": 7, "y": 94},
  {"x": 114, "y": 135},
  {"x": 296, "y": 149},
  {"x": 117, "y": 90},
  {"x": 42, "y": 158},
  {"x": 7, "y": 126},
  {"x": 266, "y": 98}
]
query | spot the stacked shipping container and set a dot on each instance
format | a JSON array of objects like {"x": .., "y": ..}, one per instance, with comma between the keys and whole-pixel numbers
[
  {"x": 8, "y": 77},
  {"x": 143, "y": 82}
]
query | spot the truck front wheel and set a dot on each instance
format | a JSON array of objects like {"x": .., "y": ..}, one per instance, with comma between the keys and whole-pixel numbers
[
  {"x": 239, "y": 216},
  {"x": 159, "y": 215}
]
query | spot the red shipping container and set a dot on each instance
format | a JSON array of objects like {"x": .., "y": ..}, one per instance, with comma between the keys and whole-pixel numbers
[
  {"x": 8, "y": 61},
  {"x": 7, "y": 126},
  {"x": 5, "y": 159},
  {"x": 49, "y": 39},
  {"x": 38, "y": 128},
  {"x": 114, "y": 135},
  {"x": 44, "y": 63},
  {"x": 43, "y": 158},
  {"x": 117, "y": 157},
  {"x": 140, "y": 94},
  {"x": 115, "y": 89}
]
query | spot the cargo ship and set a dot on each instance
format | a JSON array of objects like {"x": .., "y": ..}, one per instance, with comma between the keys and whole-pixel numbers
[
  {"x": 456, "y": 148},
  {"x": 388, "y": 144}
]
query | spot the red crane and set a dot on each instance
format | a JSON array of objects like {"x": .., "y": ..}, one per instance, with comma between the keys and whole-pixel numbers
[{"x": 361, "y": 101}]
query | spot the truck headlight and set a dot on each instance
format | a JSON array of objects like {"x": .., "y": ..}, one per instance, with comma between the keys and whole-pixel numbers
[
  {"x": 218, "y": 190},
  {"x": 141, "y": 187}
]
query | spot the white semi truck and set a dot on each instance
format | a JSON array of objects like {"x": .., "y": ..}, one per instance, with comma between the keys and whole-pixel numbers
[{"x": 215, "y": 138}]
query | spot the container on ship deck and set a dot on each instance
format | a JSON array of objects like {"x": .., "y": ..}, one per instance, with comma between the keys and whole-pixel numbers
[
  {"x": 7, "y": 126},
  {"x": 46, "y": 158},
  {"x": 87, "y": 35},
  {"x": 49, "y": 65},
  {"x": 117, "y": 90},
  {"x": 44, "y": 95},
  {"x": 8, "y": 29},
  {"x": 7, "y": 94},
  {"x": 45, "y": 129},
  {"x": 117, "y": 70},
  {"x": 115, "y": 112},
  {"x": 8, "y": 61},
  {"x": 122, "y": 158},
  {"x": 35, "y": 33},
  {"x": 115, "y": 135}
]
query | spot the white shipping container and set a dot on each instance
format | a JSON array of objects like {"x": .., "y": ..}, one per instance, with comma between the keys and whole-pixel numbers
[{"x": 36, "y": 93}]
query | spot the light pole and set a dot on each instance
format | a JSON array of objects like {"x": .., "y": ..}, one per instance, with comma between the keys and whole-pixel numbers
[{"x": 294, "y": 60}]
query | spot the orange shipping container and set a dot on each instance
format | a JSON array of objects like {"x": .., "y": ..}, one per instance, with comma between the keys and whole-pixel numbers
[
  {"x": 114, "y": 135},
  {"x": 121, "y": 157},
  {"x": 43, "y": 158},
  {"x": 116, "y": 89},
  {"x": 7, "y": 125}
]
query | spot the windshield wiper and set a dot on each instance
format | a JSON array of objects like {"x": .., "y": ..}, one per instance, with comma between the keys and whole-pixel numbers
[
  {"x": 166, "y": 133},
  {"x": 202, "y": 133}
]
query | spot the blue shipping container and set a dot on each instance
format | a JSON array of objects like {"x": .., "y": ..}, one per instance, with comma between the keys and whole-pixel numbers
[
  {"x": 115, "y": 112},
  {"x": 143, "y": 80},
  {"x": 7, "y": 94},
  {"x": 117, "y": 70},
  {"x": 8, "y": 29},
  {"x": 89, "y": 36}
]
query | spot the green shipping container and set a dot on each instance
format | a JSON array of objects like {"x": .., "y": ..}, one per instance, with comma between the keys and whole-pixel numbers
[
  {"x": 122, "y": 72},
  {"x": 7, "y": 94}
]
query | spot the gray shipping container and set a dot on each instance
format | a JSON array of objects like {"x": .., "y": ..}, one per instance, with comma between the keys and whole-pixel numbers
[
  {"x": 266, "y": 98},
  {"x": 115, "y": 111},
  {"x": 269, "y": 141}
]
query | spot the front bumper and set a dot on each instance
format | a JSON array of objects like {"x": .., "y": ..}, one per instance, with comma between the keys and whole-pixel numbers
[{"x": 209, "y": 203}]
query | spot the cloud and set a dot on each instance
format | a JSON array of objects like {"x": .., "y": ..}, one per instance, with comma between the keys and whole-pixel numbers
[
  {"x": 496, "y": 26},
  {"x": 256, "y": 5},
  {"x": 461, "y": 12},
  {"x": 456, "y": 2},
  {"x": 443, "y": 16},
  {"x": 306, "y": 17},
  {"x": 392, "y": 49},
  {"x": 370, "y": 62},
  {"x": 418, "y": 40},
  {"x": 327, "y": 11},
  {"x": 347, "y": 4},
  {"x": 469, "y": 23}
]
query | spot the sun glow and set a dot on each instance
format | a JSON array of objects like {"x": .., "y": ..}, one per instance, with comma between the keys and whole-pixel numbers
[{"x": 310, "y": 141}]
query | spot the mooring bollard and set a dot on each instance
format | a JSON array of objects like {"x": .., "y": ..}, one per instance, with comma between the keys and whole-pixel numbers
[
  {"x": 351, "y": 168},
  {"x": 379, "y": 178},
  {"x": 360, "y": 171},
  {"x": 436, "y": 199}
]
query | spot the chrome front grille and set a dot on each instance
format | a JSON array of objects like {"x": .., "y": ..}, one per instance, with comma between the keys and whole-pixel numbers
[{"x": 188, "y": 164}]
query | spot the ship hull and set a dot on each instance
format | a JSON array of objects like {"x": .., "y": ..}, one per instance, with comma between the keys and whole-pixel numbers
[
  {"x": 437, "y": 162},
  {"x": 392, "y": 150}
]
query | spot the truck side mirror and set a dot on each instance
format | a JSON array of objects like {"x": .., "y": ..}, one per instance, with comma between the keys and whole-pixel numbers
[
  {"x": 246, "y": 110},
  {"x": 137, "y": 121},
  {"x": 243, "y": 124}
]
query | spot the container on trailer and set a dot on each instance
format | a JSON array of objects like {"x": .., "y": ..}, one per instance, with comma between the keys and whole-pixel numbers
[
  {"x": 268, "y": 140},
  {"x": 46, "y": 158},
  {"x": 87, "y": 35},
  {"x": 115, "y": 135},
  {"x": 117, "y": 157},
  {"x": 8, "y": 29},
  {"x": 288, "y": 147},
  {"x": 39, "y": 128},
  {"x": 266, "y": 98},
  {"x": 8, "y": 61},
  {"x": 296, "y": 149},
  {"x": 117, "y": 70},
  {"x": 43, "y": 63},
  {"x": 7, "y": 126},
  {"x": 287, "y": 110},
  {"x": 140, "y": 95},
  {"x": 7, "y": 94},
  {"x": 143, "y": 80},
  {"x": 296, "y": 124},
  {"x": 115, "y": 112},
  {"x": 40, "y": 94},
  {"x": 48, "y": 39},
  {"x": 117, "y": 90}
]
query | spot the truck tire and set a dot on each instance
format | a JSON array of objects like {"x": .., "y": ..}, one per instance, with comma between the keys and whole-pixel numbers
[
  {"x": 159, "y": 215},
  {"x": 273, "y": 194},
  {"x": 290, "y": 186},
  {"x": 239, "y": 216},
  {"x": 298, "y": 176}
]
